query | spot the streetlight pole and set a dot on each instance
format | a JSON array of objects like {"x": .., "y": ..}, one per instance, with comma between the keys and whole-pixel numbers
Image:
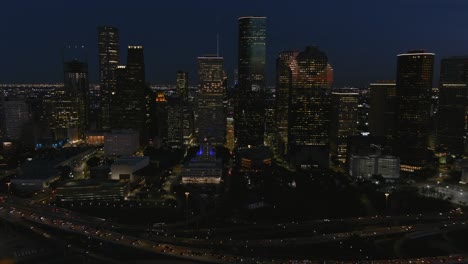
[
  {"x": 186, "y": 209},
  {"x": 386, "y": 200},
  {"x": 8, "y": 185}
]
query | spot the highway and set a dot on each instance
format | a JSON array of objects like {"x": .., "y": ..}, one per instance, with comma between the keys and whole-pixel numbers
[{"x": 200, "y": 249}]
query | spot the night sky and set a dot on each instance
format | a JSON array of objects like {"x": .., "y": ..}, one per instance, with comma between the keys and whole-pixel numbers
[{"x": 361, "y": 38}]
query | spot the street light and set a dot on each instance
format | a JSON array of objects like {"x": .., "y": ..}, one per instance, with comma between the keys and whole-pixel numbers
[
  {"x": 386, "y": 200},
  {"x": 186, "y": 208},
  {"x": 8, "y": 185}
]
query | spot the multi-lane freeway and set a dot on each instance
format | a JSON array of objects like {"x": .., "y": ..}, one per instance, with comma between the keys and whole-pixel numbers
[{"x": 201, "y": 249}]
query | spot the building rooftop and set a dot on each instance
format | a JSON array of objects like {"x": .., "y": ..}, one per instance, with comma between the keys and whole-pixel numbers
[{"x": 129, "y": 160}]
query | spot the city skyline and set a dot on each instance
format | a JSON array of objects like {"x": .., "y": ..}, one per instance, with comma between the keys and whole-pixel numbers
[{"x": 362, "y": 28}]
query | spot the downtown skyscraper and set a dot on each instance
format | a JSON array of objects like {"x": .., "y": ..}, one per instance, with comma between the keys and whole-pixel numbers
[
  {"x": 283, "y": 86},
  {"x": 413, "y": 92},
  {"x": 69, "y": 109},
  {"x": 108, "y": 45},
  {"x": 212, "y": 90},
  {"x": 344, "y": 121},
  {"x": 452, "y": 113},
  {"x": 250, "y": 112},
  {"x": 131, "y": 101},
  {"x": 309, "y": 110},
  {"x": 382, "y": 109}
]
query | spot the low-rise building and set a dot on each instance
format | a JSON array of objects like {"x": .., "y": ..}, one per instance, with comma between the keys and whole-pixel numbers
[
  {"x": 92, "y": 190},
  {"x": 255, "y": 159},
  {"x": 205, "y": 168},
  {"x": 366, "y": 166},
  {"x": 124, "y": 168},
  {"x": 35, "y": 175}
]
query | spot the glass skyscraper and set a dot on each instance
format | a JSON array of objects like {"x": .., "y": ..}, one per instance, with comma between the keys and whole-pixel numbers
[
  {"x": 130, "y": 103},
  {"x": 344, "y": 120},
  {"x": 250, "y": 112},
  {"x": 108, "y": 45},
  {"x": 283, "y": 84},
  {"x": 211, "y": 113},
  {"x": 453, "y": 92},
  {"x": 413, "y": 91},
  {"x": 70, "y": 106},
  {"x": 309, "y": 110}
]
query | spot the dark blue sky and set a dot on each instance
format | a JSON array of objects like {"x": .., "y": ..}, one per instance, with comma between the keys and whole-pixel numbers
[{"x": 361, "y": 38}]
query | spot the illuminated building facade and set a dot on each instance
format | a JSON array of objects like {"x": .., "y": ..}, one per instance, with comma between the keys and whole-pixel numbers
[
  {"x": 211, "y": 92},
  {"x": 250, "y": 112},
  {"x": 283, "y": 84},
  {"x": 205, "y": 168},
  {"x": 188, "y": 117},
  {"x": 121, "y": 142},
  {"x": 160, "y": 118},
  {"x": 70, "y": 105},
  {"x": 132, "y": 100},
  {"x": 182, "y": 83},
  {"x": 270, "y": 120},
  {"x": 365, "y": 167},
  {"x": 15, "y": 116},
  {"x": 255, "y": 159},
  {"x": 92, "y": 190},
  {"x": 452, "y": 114},
  {"x": 175, "y": 136},
  {"x": 108, "y": 48},
  {"x": 343, "y": 122},
  {"x": 123, "y": 168},
  {"x": 413, "y": 91},
  {"x": 309, "y": 110},
  {"x": 382, "y": 109}
]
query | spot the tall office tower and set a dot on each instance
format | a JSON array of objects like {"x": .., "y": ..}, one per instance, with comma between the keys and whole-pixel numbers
[
  {"x": 70, "y": 105},
  {"x": 382, "y": 109},
  {"x": 188, "y": 118},
  {"x": 343, "y": 122},
  {"x": 182, "y": 83},
  {"x": 452, "y": 114},
  {"x": 413, "y": 91},
  {"x": 174, "y": 138},
  {"x": 250, "y": 112},
  {"x": 283, "y": 84},
  {"x": 15, "y": 115},
  {"x": 108, "y": 44},
  {"x": 211, "y": 92},
  {"x": 131, "y": 100},
  {"x": 270, "y": 120},
  {"x": 160, "y": 118},
  {"x": 309, "y": 110},
  {"x": 94, "y": 107}
]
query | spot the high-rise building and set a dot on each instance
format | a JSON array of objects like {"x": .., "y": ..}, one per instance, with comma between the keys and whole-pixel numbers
[
  {"x": 413, "y": 91},
  {"x": 175, "y": 137},
  {"x": 70, "y": 105},
  {"x": 270, "y": 120},
  {"x": 131, "y": 101},
  {"x": 309, "y": 109},
  {"x": 382, "y": 108},
  {"x": 188, "y": 117},
  {"x": 283, "y": 84},
  {"x": 249, "y": 116},
  {"x": 182, "y": 83},
  {"x": 108, "y": 44},
  {"x": 15, "y": 116},
  {"x": 160, "y": 118},
  {"x": 452, "y": 108},
  {"x": 343, "y": 122},
  {"x": 211, "y": 92}
]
